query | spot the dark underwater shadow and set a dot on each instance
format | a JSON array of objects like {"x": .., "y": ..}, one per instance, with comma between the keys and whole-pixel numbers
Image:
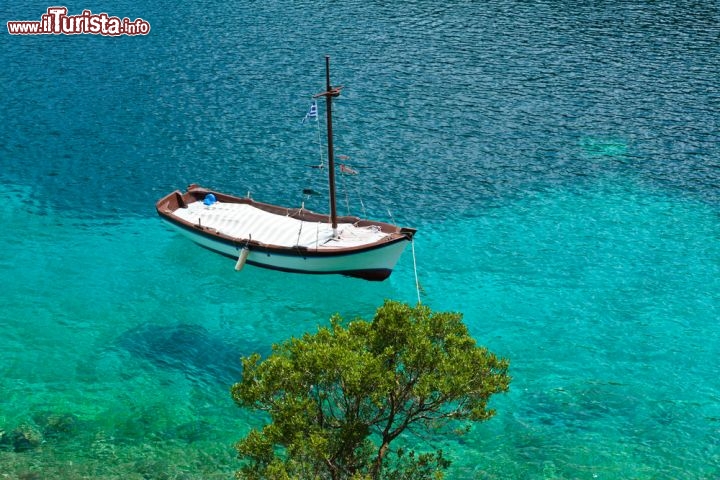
[{"x": 200, "y": 354}]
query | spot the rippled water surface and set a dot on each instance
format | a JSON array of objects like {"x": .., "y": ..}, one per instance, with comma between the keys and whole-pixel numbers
[{"x": 561, "y": 161}]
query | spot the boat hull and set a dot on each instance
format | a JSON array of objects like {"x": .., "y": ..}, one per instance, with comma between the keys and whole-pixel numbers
[
  {"x": 374, "y": 261},
  {"x": 375, "y": 264}
]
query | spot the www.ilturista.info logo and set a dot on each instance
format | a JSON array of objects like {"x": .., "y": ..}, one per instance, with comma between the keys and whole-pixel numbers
[{"x": 57, "y": 22}]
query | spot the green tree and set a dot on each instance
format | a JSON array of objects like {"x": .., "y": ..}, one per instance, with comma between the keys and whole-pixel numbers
[{"x": 338, "y": 398}]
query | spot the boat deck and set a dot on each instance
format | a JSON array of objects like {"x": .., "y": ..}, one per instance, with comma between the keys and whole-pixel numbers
[{"x": 243, "y": 221}]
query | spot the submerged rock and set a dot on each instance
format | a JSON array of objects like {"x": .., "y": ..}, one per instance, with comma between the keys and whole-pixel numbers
[
  {"x": 5, "y": 442},
  {"x": 57, "y": 424},
  {"x": 192, "y": 349},
  {"x": 25, "y": 437},
  {"x": 30, "y": 476}
]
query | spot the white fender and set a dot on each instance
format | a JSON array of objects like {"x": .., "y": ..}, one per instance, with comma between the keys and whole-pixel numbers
[{"x": 242, "y": 258}]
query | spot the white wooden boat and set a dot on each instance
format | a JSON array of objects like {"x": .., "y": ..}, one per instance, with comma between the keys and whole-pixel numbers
[{"x": 287, "y": 239}]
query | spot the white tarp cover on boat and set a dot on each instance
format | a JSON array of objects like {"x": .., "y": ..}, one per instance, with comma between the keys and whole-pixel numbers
[{"x": 242, "y": 221}]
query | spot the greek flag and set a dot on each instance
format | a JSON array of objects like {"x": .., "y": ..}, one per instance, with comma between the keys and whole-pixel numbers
[{"x": 312, "y": 113}]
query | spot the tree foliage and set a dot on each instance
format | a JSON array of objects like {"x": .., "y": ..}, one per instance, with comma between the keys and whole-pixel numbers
[{"x": 338, "y": 398}]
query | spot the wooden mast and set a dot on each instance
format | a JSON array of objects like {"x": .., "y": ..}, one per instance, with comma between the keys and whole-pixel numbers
[{"x": 329, "y": 93}]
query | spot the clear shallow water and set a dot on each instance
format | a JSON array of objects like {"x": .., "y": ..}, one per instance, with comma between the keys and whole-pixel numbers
[{"x": 561, "y": 162}]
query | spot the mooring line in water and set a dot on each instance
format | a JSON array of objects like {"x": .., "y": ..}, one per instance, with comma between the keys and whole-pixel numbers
[{"x": 417, "y": 282}]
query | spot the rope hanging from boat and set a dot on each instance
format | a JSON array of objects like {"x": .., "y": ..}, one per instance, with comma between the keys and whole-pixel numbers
[
  {"x": 347, "y": 196},
  {"x": 321, "y": 165},
  {"x": 417, "y": 282},
  {"x": 297, "y": 242},
  {"x": 344, "y": 170}
]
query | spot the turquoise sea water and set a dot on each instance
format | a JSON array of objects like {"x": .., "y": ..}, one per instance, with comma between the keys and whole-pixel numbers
[{"x": 561, "y": 161}]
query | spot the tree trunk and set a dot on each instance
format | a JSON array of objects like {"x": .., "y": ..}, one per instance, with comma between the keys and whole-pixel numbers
[{"x": 377, "y": 466}]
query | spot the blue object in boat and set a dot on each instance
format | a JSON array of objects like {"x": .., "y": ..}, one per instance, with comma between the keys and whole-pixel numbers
[{"x": 209, "y": 199}]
